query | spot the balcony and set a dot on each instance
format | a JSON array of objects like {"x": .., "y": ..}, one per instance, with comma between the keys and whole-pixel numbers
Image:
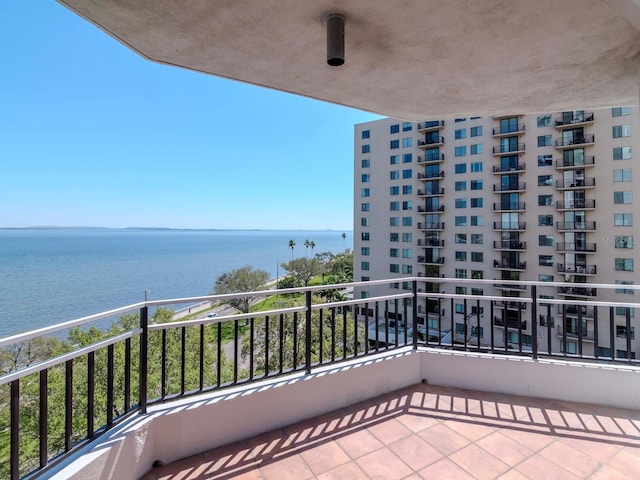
[
  {"x": 572, "y": 121},
  {"x": 575, "y": 311},
  {"x": 519, "y": 168},
  {"x": 578, "y": 291},
  {"x": 511, "y": 187},
  {"x": 430, "y": 260},
  {"x": 431, "y": 175},
  {"x": 577, "y": 269},
  {"x": 571, "y": 184},
  {"x": 576, "y": 247},
  {"x": 509, "y": 149},
  {"x": 572, "y": 333},
  {"x": 586, "y": 204},
  {"x": 436, "y": 192},
  {"x": 431, "y": 142},
  {"x": 431, "y": 226},
  {"x": 509, "y": 265},
  {"x": 510, "y": 323},
  {"x": 510, "y": 286},
  {"x": 508, "y": 130},
  {"x": 575, "y": 226},
  {"x": 509, "y": 245},
  {"x": 564, "y": 164},
  {"x": 430, "y": 126},
  {"x": 510, "y": 226},
  {"x": 424, "y": 160},
  {"x": 381, "y": 383},
  {"x": 510, "y": 305},
  {"x": 562, "y": 143},
  {"x": 430, "y": 242},
  {"x": 430, "y": 209},
  {"x": 509, "y": 207}
]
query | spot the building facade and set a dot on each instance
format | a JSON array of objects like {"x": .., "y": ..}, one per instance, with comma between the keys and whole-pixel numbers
[{"x": 546, "y": 198}]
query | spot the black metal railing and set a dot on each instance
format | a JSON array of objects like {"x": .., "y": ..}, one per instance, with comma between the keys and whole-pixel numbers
[
  {"x": 431, "y": 158},
  {"x": 577, "y": 269},
  {"x": 56, "y": 404},
  {"x": 435, "y": 140},
  {"x": 587, "y": 226},
  {"x": 430, "y": 208},
  {"x": 430, "y": 242},
  {"x": 577, "y": 140},
  {"x": 576, "y": 183},
  {"x": 431, "y": 226},
  {"x": 508, "y": 206},
  {"x": 434, "y": 260},
  {"x": 586, "y": 117},
  {"x": 576, "y": 162},
  {"x": 430, "y": 192},
  {"x": 431, "y": 124},
  {"x": 520, "y": 167},
  {"x": 500, "y": 149},
  {"x": 576, "y": 247},
  {"x": 510, "y": 265},
  {"x": 509, "y": 225},
  {"x": 509, "y": 187},
  {"x": 576, "y": 204},
  {"x": 503, "y": 130},
  {"x": 430, "y": 175},
  {"x": 509, "y": 245}
]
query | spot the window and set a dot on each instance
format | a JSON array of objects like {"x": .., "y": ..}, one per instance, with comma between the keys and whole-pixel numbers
[
  {"x": 394, "y": 252},
  {"x": 622, "y": 175},
  {"x": 620, "y": 111},
  {"x": 476, "y": 184},
  {"x": 459, "y": 120},
  {"x": 627, "y": 291},
  {"x": 364, "y": 265},
  {"x": 364, "y": 222},
  {"x": 461, "y": 133},
  {"x": 432, "y": 154},
  {"x": 364, "y": 192},
  {"x": 474, "y": 331},
  {"x": 407, "y": 237},
  {"x": 545, "y": 278},
  {"x": 624, "y": 241},
  {"x": 407, "y": 269},
  {"x": 545, "y": 200},
  {"x": 394, "y": 128},
  {"x": 544, "y": 140},
  {"x": 364, "y": 236},
  {"x": 623, "y": 219},
  {"x": 476, "y": 166},
  {"x": 365, "y": 207},
  {"x": 476, "y": 149},
  {"x": 407, "y": 253},
  {"x": 545, "y": 160},
  {"x": 545, "y": 180},
  {"x": 366, "y": 134},
  {"x": 407, "y": 189},
  {"x": 366, "y": 148},
  {"x": 394, "y": 221},
  {"x": 395, "y": 190},
  {"x": 366, "y": 163},
  {"x": 476, "y": 202},
  {"x": 544, "y": 121},
  {"x": 619, "y": 131},
  {"x": 365, "y": 294},
  {"x": 394, "y": 268},
  {"x": 545, "y": 220},
  {"x": 364, "y": 279},
  {"x": 623, "y": 311},
  {"x": 461, "y": 273},
  {"x": 477, "y": 220},
  {"x": 461, "y": 221},
  {"x": 365, "y": 178},
  {"x": 406, "y": 173},
  {"x": 394, "y": 174},
  {"x": 623, "y": 197},
  {"x": 407, "y": 221},
  {"x": 477, "y": 238},
  {"x": 407, "y": 126},
  {"x": 461, "y": 238},
  {"x": 477, "y": 291},
  {"x": 365, "y": 251},
  {"x": 394, "y": 206},
  {"x": 623, "y": 354},
  {"x": 477, "y": 275},
  {"x": 461, "y": 256},
  {"x": 394, "y": 159},
  {"x": 393, "y": 144},
  {"x": 461, "y": 151},
  {"x": 460, "y": 186},
  {"x": 408, "y": 205},
  {"x": 393, "y": 237},
  {"x": 545, "y": 240},
  {"x": 622, "y": 153},
  {"x": 476, "y": 131},
  {"x": 621, "y": 332},
  {"x": 461, "y": 290},
  {"x": 407, "y": 142},
  {"x": 545, "y": 260},
  {"x": 461, "y": 203},
  {"x": 461, "y": 168},
  {"x": 624, "y": 264},
  {"x": 477, "y": 257}
]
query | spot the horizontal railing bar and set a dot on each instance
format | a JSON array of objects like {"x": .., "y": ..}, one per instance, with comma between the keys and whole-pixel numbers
[
  {"x": 52, "y": 362},
  {"x": 595, "y": 303},
  {"x": 475, "y": 297}
]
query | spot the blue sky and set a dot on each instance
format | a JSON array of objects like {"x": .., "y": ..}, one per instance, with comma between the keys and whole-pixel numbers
[{"x": 91, "y": 134}]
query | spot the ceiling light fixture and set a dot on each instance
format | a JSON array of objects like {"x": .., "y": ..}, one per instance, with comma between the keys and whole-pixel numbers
[{"x": 335, "y": 39}]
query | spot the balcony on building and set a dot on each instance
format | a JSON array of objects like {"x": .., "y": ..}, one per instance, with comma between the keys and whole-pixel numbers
[
  {"x": 430, "y": 225},
  {"x": 577, "y": 183},
  {"x": 511, "y": 323},
  {"x": 583, "y": 204},
  {"x": 427, "y": 159},
  {"x": 512, "y": 129},
  {"x": 580, "y": 162},
  {"x": 510, "y": 286},
  {"x": 510, "y": 187},
  {"x": 431, "y": 141},
  {"x": 509, "y": 265},
  {"x": 510, "y": 226},
  {"x": 430, "y": 242},
  {"x": 583, "y": 140},
  {"x": 511, "y": 149},
  {"x": 509, "y": 207},
  {"x": 576, "y": 311},
  {"x": 431, "y": 208},
  {"x": 578, "y": 291},
  {"x": 511, "y": 305},
  {"x": 576, "y": 247},
  {"x": 431, "y": 175},
  {"x": 572, "y": 332},
  {"x": 574, "y": 119},
  {"x": 577, "y": 269},
  {"x": 425, "y": 260},
  {"x": 436, "y": 192},
  {"x": 430, "y": 126},
  {"x": 509, "y": 245},
  {"x": 517, "y": 168},
  {"x": 575, "y": 226}
]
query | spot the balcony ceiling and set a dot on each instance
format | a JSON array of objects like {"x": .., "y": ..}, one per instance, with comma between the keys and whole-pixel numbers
[{"x": 411, "y": 59}]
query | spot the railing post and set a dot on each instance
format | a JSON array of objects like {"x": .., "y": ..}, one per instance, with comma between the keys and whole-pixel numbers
[
  {"x": 144, "y": 343},
  {"x": 14, "y": 402},
  {"x": 534, "y": 322},
  {"x": 414, "y": 310},
  {"x": 307, "y": 335}
]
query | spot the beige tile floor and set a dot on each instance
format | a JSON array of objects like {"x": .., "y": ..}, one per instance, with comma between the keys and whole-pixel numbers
[{"x": 432, "y": 432}]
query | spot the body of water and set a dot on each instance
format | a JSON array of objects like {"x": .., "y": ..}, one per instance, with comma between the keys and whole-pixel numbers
[{"x": 49, "y": 276}]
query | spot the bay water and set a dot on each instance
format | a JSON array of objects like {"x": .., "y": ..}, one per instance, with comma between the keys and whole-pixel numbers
[{"x": 48, "y": 276}]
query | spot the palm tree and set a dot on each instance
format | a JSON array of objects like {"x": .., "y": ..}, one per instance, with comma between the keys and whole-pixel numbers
[
  {"x": 307, "y": 244},
  {"x": 344, "y": 235},
  {"x": 291, "y": 245},
  {"x": 312, "y": 244}
]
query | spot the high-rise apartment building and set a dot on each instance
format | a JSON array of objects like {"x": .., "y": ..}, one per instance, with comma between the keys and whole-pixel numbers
[{"x": 546, "y": 198}]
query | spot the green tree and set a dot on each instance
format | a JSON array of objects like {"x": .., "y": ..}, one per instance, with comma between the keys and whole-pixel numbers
[
  {"x": 307, "y": 244},
  {"x": 291, "y": 245},
  {"x": 344, "y": 236},
  {"x": 303, "y": 269},
  {"x": 341, "y": 265},
  {"x": 244, "y": 279}
]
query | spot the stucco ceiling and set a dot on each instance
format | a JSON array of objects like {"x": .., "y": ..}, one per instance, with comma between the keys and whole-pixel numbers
[{"x": 405, "y": 58}]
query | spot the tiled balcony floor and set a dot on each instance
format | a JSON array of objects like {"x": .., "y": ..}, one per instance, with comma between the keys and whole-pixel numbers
[{"x": 431, "y": 432}]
